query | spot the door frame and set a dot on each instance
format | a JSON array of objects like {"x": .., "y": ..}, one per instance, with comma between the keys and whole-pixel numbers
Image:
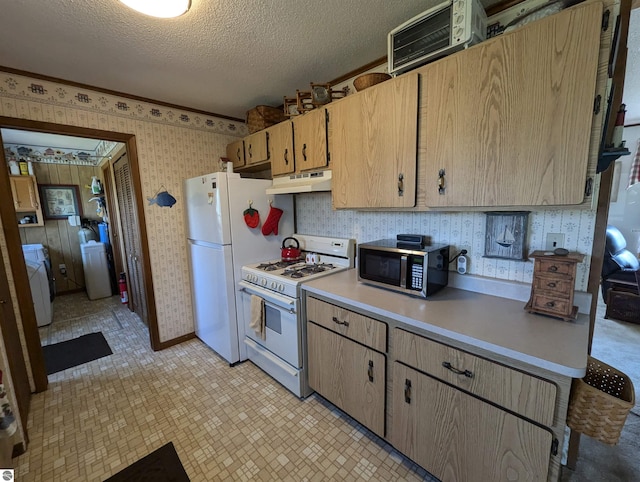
[
  {"x": 14, "y": 354},
  {"x": 12, "y": 235}
]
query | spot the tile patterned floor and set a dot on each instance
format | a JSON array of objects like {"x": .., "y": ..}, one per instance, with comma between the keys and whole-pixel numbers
[{"x": 226, "y": 423}]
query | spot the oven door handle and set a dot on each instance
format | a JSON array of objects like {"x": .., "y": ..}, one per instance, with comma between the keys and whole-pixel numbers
[{"x": 268, "y": 296}]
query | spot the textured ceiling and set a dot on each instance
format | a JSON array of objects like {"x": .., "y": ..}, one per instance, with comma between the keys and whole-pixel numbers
[{"x": 223, "y": 56}]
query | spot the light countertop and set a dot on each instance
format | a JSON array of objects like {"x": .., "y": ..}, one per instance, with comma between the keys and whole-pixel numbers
[{"x": 495, "y": 324}]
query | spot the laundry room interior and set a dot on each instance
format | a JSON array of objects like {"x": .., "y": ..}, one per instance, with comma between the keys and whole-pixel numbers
[{"x": 65, "y": 234}]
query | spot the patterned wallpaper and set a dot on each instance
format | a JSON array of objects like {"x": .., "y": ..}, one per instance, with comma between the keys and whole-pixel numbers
[
  {"x": 172, "y": 145},
  {"x": 465, "y": 230}
]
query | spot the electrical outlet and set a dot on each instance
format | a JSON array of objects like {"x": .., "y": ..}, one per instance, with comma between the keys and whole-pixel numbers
[
  {"x": 63, "y": 269},
  {"x": 554, "y": 240}
]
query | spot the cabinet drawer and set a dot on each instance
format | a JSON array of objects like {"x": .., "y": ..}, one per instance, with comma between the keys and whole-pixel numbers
[
  {"x": 555, "y": 266},
  {"x": 551, "y": 304},
  {"x": 360, "y": 328},
  {"x": 557, "y": 285},
  {"x": 524, "y": 394}
]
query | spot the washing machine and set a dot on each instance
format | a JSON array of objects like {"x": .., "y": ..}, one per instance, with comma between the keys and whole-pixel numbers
[{"x": 41, "y": 281}]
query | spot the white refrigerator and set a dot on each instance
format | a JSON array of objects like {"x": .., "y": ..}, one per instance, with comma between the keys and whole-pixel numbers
[{"x": 220, "y": 243}]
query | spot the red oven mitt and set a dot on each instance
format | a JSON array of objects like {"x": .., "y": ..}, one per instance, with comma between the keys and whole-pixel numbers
[
  {"x": 271, "y": 224},
  {"x": 251, "y": 217}
]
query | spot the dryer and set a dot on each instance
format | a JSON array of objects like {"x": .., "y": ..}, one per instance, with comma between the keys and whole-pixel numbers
[{"x": 41, "y": 281}]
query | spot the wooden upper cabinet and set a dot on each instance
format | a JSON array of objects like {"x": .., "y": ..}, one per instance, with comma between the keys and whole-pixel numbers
[
  {"x": 373, "y": 146},
  {"x": 235, "y": 153},
  {"x": 256, "y": 149},
  {"x": 26, "y": 200},
  {"x": 281, "y": 152},
  {"x": 508, "y": 122},
  {"x": 25, "y": 193},
  {"x": 310, "y": 140}
]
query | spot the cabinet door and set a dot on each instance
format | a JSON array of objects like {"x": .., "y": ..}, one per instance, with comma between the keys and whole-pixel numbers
[
  {"x": 235, "y": 153},
  {"x": 373, "y": 146},
  {"x": 457, "y": 437},
  {"x": 23, "y": 189},
  {"x": 256, "y": 149},
  {"x": 509, "y": 120},
  {"x": 310, "y": 140},
  {"x": 349, "y": 375},
  {"x": 281, "y": 148}
]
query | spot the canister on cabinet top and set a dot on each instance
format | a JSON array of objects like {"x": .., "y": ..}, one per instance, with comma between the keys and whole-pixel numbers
[{"x": 14, "y": 169}]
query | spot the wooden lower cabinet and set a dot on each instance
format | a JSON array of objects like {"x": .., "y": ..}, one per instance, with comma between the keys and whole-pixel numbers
[
  {"x": 458, "y": 437},
  {"x": 349, "y": 375}
]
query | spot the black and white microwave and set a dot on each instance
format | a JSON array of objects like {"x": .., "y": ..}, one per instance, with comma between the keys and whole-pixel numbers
[
  {"x": 449, "y": 26},
  {"x": 416, "y": 270}
]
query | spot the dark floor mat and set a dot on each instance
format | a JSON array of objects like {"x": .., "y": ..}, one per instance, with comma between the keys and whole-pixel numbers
[
  {"x": 162, "y": 465},
  {"x": 71, "y": 353}
]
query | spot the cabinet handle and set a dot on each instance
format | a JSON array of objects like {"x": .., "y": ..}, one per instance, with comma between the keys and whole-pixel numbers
[
  {"x": 370, "y": 370},
  {"x": 304, "y": 151},
  {"x": 238, "y": 153},
  {"x": 286, "y": 157},
  {"x": 457, "y": 371},
  {"x": 250, "y": 155},
  {"x": 400, "y": 184},
  {"x": 551, "y": 285},
  {"x": 338, "y": 322},
  {"x": 407, "y": 390},
  {"x": 551, "y": 304},
  {"x": 441, "y": 183},
  {"x": 553, "y": 268}
]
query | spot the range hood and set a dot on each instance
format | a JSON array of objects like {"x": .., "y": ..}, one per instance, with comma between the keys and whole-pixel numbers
[{"x": 302, "y": 182}]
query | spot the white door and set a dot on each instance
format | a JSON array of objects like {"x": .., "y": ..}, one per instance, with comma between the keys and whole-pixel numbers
[
  {"x": 214, "y": 307},
  {"x": 207, "y": 207}
]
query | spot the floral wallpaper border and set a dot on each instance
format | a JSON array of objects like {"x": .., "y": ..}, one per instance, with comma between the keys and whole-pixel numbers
[{"x": 25, "y": 88}]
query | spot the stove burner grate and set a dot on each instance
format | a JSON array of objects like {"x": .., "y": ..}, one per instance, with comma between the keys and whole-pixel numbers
[
  {"x": 274, "y": 265},
  {"x": 306, "y": 270}
]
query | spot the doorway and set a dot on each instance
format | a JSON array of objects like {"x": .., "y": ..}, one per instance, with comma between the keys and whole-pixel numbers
[{"x": 14, "y": 240}]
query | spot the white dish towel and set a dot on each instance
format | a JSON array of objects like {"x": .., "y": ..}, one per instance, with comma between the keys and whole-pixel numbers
[{"x": 257, "y": 317}]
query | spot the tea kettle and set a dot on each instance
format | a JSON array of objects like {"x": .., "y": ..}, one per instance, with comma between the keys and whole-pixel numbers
[{"x": 289, "y": 253}]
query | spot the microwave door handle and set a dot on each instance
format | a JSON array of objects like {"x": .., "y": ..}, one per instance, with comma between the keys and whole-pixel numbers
[{"x": 403, "y": 272}]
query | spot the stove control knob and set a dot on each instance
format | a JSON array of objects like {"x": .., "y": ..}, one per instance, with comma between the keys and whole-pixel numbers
[
  {"x": 280, "y": 287},
  {"x": 273, "y": 285},
  {"x": 263, "y": 282}
]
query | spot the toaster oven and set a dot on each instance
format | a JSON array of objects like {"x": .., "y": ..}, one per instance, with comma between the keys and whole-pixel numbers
[{"x": 441, "y": 30}]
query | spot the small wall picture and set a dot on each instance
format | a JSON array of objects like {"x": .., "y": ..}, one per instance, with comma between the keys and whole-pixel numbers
[
  {"x": 506, "y": 234},
  {"x": 59, "y": 201}
]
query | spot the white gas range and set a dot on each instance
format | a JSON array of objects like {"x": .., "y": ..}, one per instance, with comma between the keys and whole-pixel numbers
[{"x": 277, "y": 284}]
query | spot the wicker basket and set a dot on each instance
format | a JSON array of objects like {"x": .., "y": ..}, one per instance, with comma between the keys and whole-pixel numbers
[
  {"x": 600, "y": 402},
  {"x": 263, "y": 116},
  {"x": 367, "y": 80}
]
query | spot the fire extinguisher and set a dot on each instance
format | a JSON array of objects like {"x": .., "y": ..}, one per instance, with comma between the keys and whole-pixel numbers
[{"x": 122, "y": 284}]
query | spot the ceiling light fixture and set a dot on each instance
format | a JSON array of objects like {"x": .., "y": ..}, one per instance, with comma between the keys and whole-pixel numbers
[{"x": 159, "y": 8}]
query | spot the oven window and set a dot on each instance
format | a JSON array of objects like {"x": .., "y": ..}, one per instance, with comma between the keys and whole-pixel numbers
[{"x": 273, "y": 319}]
